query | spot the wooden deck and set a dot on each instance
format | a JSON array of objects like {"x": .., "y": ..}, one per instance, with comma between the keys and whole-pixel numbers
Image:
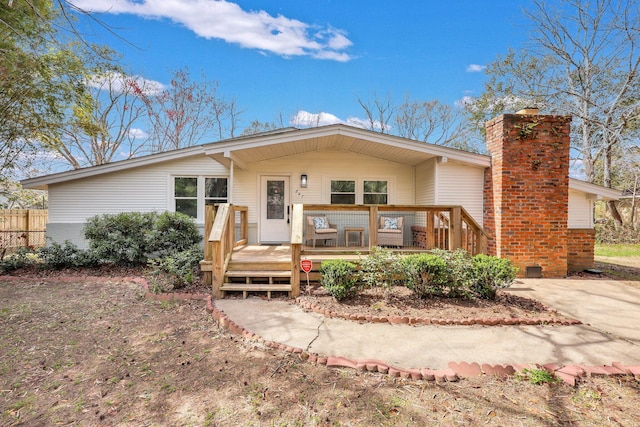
[{"x": 267, "y": 268}]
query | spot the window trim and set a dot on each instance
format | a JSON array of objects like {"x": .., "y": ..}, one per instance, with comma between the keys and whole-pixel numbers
[
  {"x": 200, "y": 193},
  {"x": 360, "y": 187}
]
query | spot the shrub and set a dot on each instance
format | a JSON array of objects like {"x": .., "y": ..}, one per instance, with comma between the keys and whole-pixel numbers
[
  {"x": 120, "y": 238},
  {"x": 182, "y": 266},
  {"x": 173, "y": 232},
  {"x": 425, "y": 274},
  {"x": 130, "y": 237},
  {"x": 490, "y": 274},
  {"x": 380, "y": 268},
  {"x": 67, "y": 256},
  {"x": 459, "y": 273},
  {"x": 338, "y": 278},
  {"x": 22, "y": 257}
]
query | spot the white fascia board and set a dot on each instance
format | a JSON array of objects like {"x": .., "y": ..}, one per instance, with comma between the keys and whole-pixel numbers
[
  {"x": 344, "y": 130},
  {"x": 596, "y": 190},
  {"x": 42, "y": 182}
]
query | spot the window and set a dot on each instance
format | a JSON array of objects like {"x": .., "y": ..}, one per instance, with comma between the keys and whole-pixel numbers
[
  {"x": 186, "y": 194},
  {"x": 215, "y": 190},
  {"x": 192, "y": 193},
  {"x": 343, "y": 192},
  {"x": 375, "y": 193},
  {"x": 367, "y": 192}
]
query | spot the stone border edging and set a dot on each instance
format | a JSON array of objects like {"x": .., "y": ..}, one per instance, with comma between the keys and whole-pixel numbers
[
  {"x": 569, "y": 373},
  {"x": 405, "y": 320}
]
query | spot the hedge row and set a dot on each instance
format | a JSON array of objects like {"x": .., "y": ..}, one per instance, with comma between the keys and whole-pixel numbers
[{"x": 435, "y": 273}]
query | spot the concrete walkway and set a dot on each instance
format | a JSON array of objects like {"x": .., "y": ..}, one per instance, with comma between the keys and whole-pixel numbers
[{"x": 432, "y": 346}]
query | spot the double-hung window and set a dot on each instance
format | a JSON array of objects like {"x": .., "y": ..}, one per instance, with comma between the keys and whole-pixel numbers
[
  {"x": 351, "y": 192},
  {"x": 192, "y": 193}
]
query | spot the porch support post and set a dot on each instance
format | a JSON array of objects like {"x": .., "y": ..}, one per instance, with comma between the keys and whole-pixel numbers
[
  {"x": 373, "y": 226},
  {"x": 206, "y": 265},
  {"x": 431, "y": 230},
  {"x": 296, "y": 247},
  {"x": 455, "y": 229}
]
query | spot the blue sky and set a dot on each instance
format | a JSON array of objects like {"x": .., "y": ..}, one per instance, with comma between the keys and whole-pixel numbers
[{"x": 320, "y": 56}]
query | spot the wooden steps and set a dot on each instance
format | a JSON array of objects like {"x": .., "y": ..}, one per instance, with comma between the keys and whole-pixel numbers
[{"x": 257, "y": 276}]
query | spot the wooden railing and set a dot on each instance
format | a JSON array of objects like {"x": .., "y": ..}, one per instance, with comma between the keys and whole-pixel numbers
[
  {"x": 221, "y": 231},
  {"x": 444, "y": 227}
]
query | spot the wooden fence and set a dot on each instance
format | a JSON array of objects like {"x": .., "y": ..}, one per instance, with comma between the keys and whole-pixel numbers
[{"x": 22, "y": 228}]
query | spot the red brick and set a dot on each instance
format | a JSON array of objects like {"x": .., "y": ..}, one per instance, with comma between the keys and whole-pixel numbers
[{"x": 341, "y": 362}]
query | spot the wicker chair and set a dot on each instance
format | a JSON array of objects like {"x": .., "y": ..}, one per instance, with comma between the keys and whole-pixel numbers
[
  {"x": 391, "y": 231},
  {"x": 319, "y": 228}
]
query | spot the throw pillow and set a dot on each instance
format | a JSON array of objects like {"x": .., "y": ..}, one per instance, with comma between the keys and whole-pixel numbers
[
  {"x": 391, "y": 223},
  {"x": 320, "y": 222}
]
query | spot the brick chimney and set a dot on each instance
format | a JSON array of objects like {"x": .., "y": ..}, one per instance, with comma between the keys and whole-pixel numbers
[{"x": 527, "y": 190}]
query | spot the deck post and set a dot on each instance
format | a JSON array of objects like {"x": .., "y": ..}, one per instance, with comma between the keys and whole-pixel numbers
[
  {"x": 455, "y": 229},
  {"x": 206, "y": 265},
  {"x": 373, "y": 226},
  {"x": 297, "y": 224},
  {"x": 431, "y": 230}
]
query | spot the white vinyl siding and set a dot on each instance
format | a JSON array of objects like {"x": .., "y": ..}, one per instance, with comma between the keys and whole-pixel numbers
[
  {"x": 426, "y": 182},
  {"x": 321, "y": 167},
  {"x": 142, "y": 189},
  {"x": 580, "y": 210},
  {"x": 458, "y": 184}
]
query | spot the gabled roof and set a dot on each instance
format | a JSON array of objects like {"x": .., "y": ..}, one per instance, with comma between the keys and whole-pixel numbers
[
  {"x": 281, "y": 143},
  {"x": 338, "y": 136}
]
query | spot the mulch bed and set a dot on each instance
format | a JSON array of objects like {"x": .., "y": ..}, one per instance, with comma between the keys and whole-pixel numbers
[{"x": 372, "y": 305}]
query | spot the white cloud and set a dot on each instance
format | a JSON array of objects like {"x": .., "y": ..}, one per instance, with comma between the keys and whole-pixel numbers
[
  {"x": 475, "y": 68},
  {"x": 306, "y": 119},
  {"x": 228, "y": 21},
  {"x": 135, "y": 133},
  {"x": 116, "y": 82}
]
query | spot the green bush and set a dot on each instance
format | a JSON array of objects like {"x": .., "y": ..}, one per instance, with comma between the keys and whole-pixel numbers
[
  {"x": 425, "y": 274},
  {"x": 182, "y": 266},
  {"x": 338, "y": 278},
  {"x": 173, "y": 232},
  {"x": 129, "y": 238},
  {"x": 380, "y": 268},
  {"x": 58, "y": 256},
  {"x": 22, "y": 257},
  {"x": 459, "y": 275},
  {"x": 120, "y": 238},
  {"x": 490, "y": 274}
]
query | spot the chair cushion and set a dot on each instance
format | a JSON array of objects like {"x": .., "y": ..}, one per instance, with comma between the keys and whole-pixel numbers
[
  {"x": 390, "y": 231},
  {"x": 320, "y": 222},
  {"x": 326, "y": 230},
  {"x": 390, "y": 224}
]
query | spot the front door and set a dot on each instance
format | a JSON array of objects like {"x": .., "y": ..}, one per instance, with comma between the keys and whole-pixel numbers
[{"x": 275, "y": 210}]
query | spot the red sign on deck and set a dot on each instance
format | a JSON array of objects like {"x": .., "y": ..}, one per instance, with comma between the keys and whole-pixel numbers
[{"x": 306, "y": 265}]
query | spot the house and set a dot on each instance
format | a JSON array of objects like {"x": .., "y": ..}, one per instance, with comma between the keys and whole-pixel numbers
[{"x": 519, "y": 199}]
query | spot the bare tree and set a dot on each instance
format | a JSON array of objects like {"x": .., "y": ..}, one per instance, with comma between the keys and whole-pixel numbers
[
  {"x": 101, "y": 125},
  {"x": 583, "y": 61},
  {"x": 379, "y": 112},
  {"x": 188, "y": 113},
  {"x": 431, "y": 121}
]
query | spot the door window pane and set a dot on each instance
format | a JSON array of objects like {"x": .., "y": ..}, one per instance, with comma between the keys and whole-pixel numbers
[{"x": 275, "y": 199}]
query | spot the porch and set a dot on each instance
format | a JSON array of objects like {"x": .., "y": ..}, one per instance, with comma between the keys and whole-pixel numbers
[{"x": 344, "y": 231}]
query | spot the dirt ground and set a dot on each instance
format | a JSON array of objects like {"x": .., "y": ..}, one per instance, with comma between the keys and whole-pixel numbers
[{"x": 94, "y": 352}]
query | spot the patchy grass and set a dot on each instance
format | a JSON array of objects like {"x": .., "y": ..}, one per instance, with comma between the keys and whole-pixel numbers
[
  {"x": 96, "y": 353},
  {"x": 617, "y": 250}
]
